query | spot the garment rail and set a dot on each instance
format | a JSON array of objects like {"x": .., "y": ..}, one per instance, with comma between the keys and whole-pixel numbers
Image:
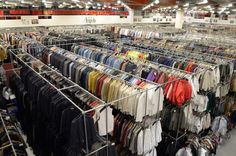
[
  {"x": 155, "y": 63},
  {"x": 146, "y": 91},
  {"x": 151, "y": 62},
  {"x": 176, "y": 55},
  {"x": 11, "y": 51},
  {"x": 158, "y": 85},
  {"x": 195, "y": 54},
  {"x": 8, "y": 136},
  {"x": 162, "y": 65}
]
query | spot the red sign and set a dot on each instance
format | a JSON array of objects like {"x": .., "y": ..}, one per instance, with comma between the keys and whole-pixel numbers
[
  {"x": 19, "y": 12},
  {"x": 64, "y": 12}
]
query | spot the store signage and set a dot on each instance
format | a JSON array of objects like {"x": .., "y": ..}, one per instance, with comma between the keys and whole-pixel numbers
[{"x": 90, "y": 20}]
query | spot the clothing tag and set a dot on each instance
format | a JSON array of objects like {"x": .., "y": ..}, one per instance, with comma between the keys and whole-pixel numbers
[
  {"x": 12, "y": 96},
  {"x": 7, "y": 118},
  {"x": 6, "y": 95}
]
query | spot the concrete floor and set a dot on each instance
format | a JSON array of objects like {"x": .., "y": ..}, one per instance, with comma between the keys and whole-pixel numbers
[{"x": 228, "y": 147}]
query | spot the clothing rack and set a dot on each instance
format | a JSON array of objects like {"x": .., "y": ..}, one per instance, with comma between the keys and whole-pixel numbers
[
  {"x": 125, "y": 97},
  {"x": 8, "y": 136},
  {"x": 180, "y": 57},
  {"x": 173, "y": 54},
  {"x": 184, "y": 40},
  {"x": 165, "y": 66},
  {"x": 162, "y": 65},
  {"x": 108, "y": 104},
  {"x": 124, "y": 71},
  {"x": 59, "y": 91},
  {"x": 177, "y": 135}
]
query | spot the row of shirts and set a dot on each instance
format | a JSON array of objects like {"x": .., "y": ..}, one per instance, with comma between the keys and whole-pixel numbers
[
  {"x": 135, "y": 102},
  {"x": 204, "y": 146},
  {"x": 186, "y": 118},
  {"x": 115, "y": 62},
  {"x": 59, "y": 122},
  {"x": 138, "y": 140},
  {"x": 179, "y": 91},
  {"x": 206, "y": 80},
  {"x": 183, "y": 87},
  {"x": 209, "y": 78},
  {"x": 139, "y": 33}
]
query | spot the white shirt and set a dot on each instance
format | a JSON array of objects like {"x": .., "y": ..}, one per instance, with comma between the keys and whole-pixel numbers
[{"x": 105, "y": 117}]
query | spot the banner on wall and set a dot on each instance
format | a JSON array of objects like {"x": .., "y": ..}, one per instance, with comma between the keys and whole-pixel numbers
[
  {"x": 25, "y": 20},
  {"x": 63, "y": 12},
  {"x": 90, "y": 20},
  {"x": 28, "y": 20},
  {"x": 34, "y": 21}
]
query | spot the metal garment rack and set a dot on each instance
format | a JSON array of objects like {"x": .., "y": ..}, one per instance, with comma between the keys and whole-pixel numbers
[
  {"x": 195, "y": 54},
  {"x": 146, "y": 90},
  {"x": 173, "y": 53},
  {"x": 59, "y": 91},
  {"x": 166, "y": 53},
  {"x": 170, "y": 38},
  {"x": 109, "y": 104},
  {"x": 154, "y": 63},
  {"x": 151, "y": 62},
  {"x": 127, "y": 72},
  {"x": 8, "y": 136},
  {"x": 162, "y": 65},
  {"x": 97, "y": 69},
  {"x": 148, "y": 61},
  {"x": 132, "y": 95},
  {"x": 177, "y": 137}
]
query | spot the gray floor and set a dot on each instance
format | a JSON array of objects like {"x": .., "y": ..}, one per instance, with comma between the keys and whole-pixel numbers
[{"x": 228, "y": 148}]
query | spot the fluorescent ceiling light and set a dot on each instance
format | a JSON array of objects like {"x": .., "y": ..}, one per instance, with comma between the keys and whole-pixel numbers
[
  {"x": 186, "y": 5},
  {"x": 11, "y": 3},
  {"x": 60, "y": 6},
  {"x": 48, "y": 2},
  {"x": 230, "y": 5},
  {"x": 203, "y": 2},
  {"x": 26, "y": 2},
  {"x": 157, "y": 1},
  {"x": 64, "y": 3}
]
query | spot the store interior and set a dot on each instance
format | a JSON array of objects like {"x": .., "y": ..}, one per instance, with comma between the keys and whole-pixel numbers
[{"x": 117, "y": 77}]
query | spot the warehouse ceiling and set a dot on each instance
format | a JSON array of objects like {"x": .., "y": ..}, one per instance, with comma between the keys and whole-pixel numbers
[{"x": 102, "y": 4}]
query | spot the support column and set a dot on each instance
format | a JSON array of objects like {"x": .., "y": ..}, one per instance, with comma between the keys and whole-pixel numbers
[
  {"x": 131, "y": 14},
  {"x": 179, "y": 18}
]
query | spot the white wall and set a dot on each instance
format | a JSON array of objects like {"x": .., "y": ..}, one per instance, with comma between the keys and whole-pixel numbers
[
  {"x": 179, "y": 21},
  {"x": 26, "y": 21},
  {"x": 190, "y": 20},
  {"x": 159, "y": 19},
  {"x": 211, "y": 20}
]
